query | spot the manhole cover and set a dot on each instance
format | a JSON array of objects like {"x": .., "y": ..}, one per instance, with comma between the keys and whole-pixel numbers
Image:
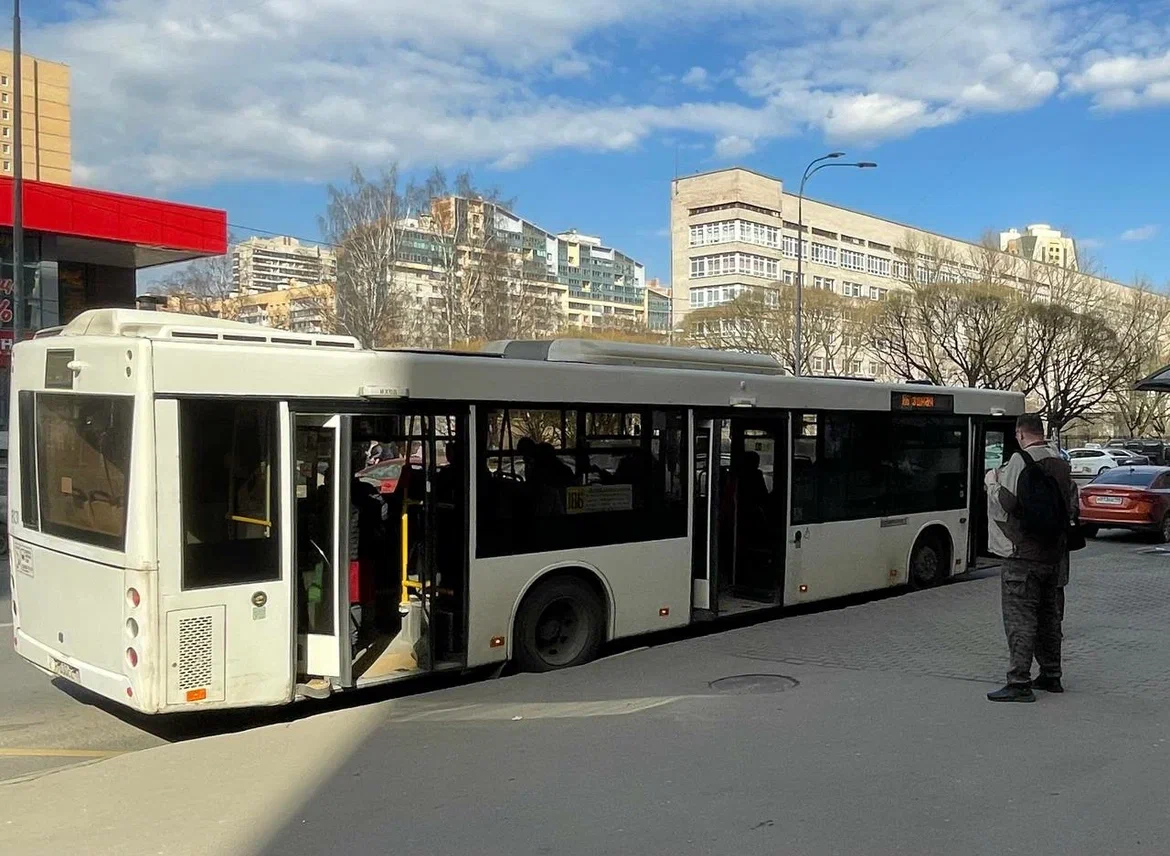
[{"x": 747, "y": 684}]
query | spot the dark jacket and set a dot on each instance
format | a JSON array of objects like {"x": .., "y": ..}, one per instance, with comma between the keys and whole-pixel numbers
[{"x": 1026, "y": 547}]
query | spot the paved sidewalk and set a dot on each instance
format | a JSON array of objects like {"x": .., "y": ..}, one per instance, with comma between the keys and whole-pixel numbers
[{"x": 880, "y": 742}]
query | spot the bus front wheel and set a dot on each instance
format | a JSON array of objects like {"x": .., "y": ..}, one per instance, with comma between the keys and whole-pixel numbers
[{"x": 560, "y": 624}]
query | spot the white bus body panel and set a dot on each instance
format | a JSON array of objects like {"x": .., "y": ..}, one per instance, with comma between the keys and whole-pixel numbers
[
  {"x": 220, "y": 645},
  {"x": 71, "y": 597},
  {"x": 640, "y": 580},
  {"x": 853, "y": 556}
]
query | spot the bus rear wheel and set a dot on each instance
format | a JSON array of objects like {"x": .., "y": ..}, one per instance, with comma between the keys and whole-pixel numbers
[
  {"x": 560, "y": 624},
  {"x": 928, "y": 562}
]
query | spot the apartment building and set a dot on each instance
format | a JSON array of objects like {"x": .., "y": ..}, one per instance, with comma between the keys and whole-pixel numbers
[
  {"x": 659, "y": 307},
  {"x": 1041, "y": 243},
  {"x": 735, "y": 229},
  {"x": 270, "y": 264},
  {"x": 46, "y": 135},
  {"x": 588, "y": 283},
  {"x": 602, "y": 285}
]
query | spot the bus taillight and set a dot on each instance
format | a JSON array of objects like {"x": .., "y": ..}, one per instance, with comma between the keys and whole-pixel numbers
[
  {"x": 132, "y": 657},
  {"x": 131, "y": 628},
  {"x": 133, "y": 596}
]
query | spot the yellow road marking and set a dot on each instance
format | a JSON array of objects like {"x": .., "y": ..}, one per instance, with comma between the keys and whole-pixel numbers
[{"x": 58, "y": 753}]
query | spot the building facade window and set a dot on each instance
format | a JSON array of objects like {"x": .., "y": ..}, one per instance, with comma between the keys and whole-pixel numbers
[
  {"x": 878, "y": 266},
  {"x": 852, "y": 260},
  {"x": 825, "y": 282},
  {"x": 851, "y": 289},
  {"x": 733, "y": 263},
  {"x": 818, "y": 364},
  {"x": 901, "y": 270},
  {"x": 726, "y": 231},
  {"x": 826, "y": 254},
  {"x": 790, "y": 277},
  {"x": 876, "y": 293}
]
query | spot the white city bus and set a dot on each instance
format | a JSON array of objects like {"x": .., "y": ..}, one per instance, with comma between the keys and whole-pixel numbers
[{"x": 211, "y": 514}]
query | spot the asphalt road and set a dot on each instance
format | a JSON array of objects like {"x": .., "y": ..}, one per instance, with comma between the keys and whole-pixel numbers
[
  {"x": 861, "y": 729},
  {"x": 47, "y": 724}
]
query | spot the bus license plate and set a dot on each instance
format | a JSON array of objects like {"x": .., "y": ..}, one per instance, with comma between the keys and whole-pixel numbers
[
  {"x": 1107, "y": 500},
  {"x": 66, "y": 671}
]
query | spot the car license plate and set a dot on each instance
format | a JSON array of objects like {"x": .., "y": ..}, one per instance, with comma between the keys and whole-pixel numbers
[
  {"x": 1107, "y": 500},
  {"x": 65, "y": 670}
]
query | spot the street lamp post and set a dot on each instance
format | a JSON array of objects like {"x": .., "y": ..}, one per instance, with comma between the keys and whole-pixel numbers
[
  {"x": 814, "y": 167},
  {"x": 17, "y": 181}
]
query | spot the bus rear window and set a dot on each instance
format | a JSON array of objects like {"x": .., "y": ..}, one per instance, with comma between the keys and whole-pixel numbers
[{"x": 83, "y": 466}]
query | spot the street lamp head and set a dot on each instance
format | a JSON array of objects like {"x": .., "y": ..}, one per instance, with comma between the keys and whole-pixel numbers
[
  {"x": 866, "y": 165},
  {"x": 835, "y": 155}
]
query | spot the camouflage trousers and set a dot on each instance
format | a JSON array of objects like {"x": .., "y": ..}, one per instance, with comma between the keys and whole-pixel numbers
[{"x": 1032, "y": 594}]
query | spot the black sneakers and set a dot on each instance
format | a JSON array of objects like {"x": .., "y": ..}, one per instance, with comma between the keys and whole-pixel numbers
[
  {"x": 1049, "y": 685},
  {"x": 1013, "y": 692}
]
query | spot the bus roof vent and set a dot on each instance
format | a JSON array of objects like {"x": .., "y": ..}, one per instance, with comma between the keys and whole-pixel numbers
[
  {"x": 607, "y": 353},
  {"x": 172, "y": 325}
]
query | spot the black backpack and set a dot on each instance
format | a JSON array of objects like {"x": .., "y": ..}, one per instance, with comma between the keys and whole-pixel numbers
[{"x": 1041, "y": 502}]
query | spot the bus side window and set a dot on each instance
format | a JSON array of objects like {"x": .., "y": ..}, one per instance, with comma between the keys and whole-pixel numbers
[
  {"x": 229, "y": 489},
  {"x": 29, "y": 509}
]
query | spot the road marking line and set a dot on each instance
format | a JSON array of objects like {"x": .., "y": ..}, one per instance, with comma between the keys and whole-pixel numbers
[{"x": 58, "y": 753}]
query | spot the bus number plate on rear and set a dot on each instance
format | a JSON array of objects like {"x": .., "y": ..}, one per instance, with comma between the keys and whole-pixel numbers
[{"x": 65, "y": 670}]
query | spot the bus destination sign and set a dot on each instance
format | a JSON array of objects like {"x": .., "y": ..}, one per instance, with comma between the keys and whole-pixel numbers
[{"x": 931, "y": 402}]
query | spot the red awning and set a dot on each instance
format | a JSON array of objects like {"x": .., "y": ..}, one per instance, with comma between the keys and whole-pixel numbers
[{"x": 99, "y": 227}]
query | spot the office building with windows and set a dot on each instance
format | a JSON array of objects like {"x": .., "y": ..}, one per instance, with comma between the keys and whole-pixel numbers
[
  {"x": 46, "y": 136},
  {"x": 733, "y": 230}
]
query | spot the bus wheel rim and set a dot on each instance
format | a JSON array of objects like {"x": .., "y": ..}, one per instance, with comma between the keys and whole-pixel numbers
[{"x": 561, "y": 632}]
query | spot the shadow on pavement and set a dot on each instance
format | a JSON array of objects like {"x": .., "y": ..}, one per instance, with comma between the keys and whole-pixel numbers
[{"x": 189, "y": 726}]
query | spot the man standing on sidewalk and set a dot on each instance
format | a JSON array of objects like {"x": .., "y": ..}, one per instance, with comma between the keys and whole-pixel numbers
[{"x": 1036, "y": 491}]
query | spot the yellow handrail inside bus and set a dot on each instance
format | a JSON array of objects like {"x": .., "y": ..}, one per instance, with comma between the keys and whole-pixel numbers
[
  {"x": 407, "y": 583},
  {"x": 253, "y": 520}
]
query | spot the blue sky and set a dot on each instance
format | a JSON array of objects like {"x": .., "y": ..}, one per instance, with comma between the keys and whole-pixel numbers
[{"x": 982, "y": 114}]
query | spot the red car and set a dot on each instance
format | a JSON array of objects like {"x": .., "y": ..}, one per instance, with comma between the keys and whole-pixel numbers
[{"x": 1135, "y": 498}]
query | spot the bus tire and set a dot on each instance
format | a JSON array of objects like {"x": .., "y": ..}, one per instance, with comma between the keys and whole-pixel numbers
[
  {"x": 928, "y": 561},
  {"x": 560, "y": 623}
]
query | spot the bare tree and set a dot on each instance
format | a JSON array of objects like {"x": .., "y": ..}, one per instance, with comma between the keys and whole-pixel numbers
[
  {"x": 204, "y": 287},
  {"x": 760, "y": 321},
  {"x": 363, "y": 221},
  {"x": 956, "y": 321},
  {"x": 472, "y": 266}
]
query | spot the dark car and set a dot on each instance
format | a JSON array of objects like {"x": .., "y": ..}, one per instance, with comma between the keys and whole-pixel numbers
[
  {"x": 1126, "y": 457},
  {"x": 1134, "y": 498}
]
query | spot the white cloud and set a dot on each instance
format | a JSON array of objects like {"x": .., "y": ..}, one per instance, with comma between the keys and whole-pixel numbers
[
  {"x": 571, "y": 66},
  {"x": 174, "y": 92},
  {"x": 733, "y": 146},
  {"x": 697, "y": 77},
  {"x": 1124, "y": 81},
  {"x": 1141, "y": 233}
]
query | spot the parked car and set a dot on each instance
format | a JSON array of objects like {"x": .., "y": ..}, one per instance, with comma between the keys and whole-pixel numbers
[
  {"x": 1090, "y": 463},
  {"x": 1134, "y": 498},
  {"x": 1126, "y": 457},
  {"x": 1156, "y": 451}
]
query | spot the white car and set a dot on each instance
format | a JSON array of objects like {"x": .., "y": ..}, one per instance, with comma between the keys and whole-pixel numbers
[{"x": 1090, "y": 463}]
